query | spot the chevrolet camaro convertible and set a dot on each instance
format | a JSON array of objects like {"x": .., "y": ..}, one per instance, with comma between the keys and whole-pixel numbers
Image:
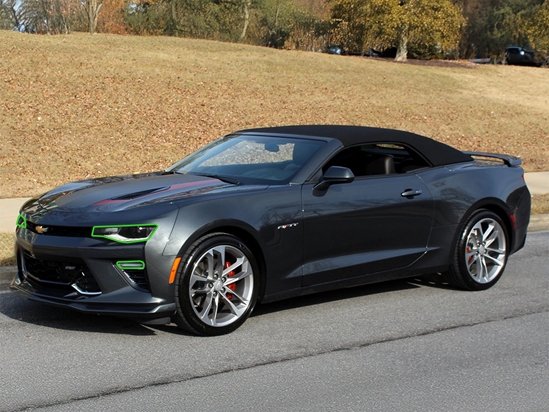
[{"x": 267, "y": 214}]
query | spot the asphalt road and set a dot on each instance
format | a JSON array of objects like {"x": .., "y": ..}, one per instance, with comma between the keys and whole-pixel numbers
[{"x": 399, "y": 346}]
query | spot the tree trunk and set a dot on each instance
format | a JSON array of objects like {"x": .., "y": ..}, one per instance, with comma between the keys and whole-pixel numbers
[
  {"x": 245, "y": 9},
  {"x": 92, "y": 11},
  {"x": 276, "y": 14},
  {"x": 402, "y": 50}
]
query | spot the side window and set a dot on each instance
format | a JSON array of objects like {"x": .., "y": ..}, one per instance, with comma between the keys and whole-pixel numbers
[{"x": 378, "y": 159}]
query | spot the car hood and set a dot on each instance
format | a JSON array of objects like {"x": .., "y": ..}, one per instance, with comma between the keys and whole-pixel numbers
[{"x": 120, "y": 193}]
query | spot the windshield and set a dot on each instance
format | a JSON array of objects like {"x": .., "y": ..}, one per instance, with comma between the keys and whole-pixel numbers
[{"x": 250, "y": 159}]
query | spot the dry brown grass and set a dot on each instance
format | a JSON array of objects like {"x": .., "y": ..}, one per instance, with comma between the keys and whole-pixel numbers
[
  {"x": 540, "y": 204},
  {"x": 7, "y": 251},
  {"x": 77, "y": 106}
]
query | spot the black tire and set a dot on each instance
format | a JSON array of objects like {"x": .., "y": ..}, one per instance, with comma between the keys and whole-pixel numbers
[
  {"x": 481, "y": 252},
  {"x": 216, "y": 286}
]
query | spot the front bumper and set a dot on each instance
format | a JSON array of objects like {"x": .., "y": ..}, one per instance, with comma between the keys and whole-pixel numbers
[{"x": 91, "y": 275}]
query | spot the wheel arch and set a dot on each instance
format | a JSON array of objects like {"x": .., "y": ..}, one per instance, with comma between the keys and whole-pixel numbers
[
  {"x": 242, "y": 232},
  {"x": 505, "y": 218},
  {"x": 493, "y": 205}
]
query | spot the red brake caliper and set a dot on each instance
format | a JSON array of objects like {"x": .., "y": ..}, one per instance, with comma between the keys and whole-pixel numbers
[
  {"x": 232, "y": 286},
  {"x": 468, "y": 250}
]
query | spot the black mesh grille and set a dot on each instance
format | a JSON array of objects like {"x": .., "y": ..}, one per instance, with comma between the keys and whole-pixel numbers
[
  {"x": 69, "y": 231},
  {"x": 139, "y": 277},
  {"x": 60, "y": 273}
]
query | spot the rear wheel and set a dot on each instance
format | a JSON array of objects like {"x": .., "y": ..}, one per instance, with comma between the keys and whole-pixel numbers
[
  {"x": 216, "y": 289},
  {"x": 481, "y": 252}
]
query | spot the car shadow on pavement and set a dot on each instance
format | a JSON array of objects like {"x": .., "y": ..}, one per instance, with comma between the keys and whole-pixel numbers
[
  {"x": 435, "y": 280},
  {"x": 37, "y": 314},
  {"x": 60, "y": 318}
]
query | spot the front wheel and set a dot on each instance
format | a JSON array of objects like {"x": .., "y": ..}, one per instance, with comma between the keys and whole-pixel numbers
[
  {"x": 481, "y": 252},
  {"x": 216, "y": 289}
]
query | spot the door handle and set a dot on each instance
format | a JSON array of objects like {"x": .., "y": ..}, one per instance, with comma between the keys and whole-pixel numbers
[{"x": 410, "y": 193}]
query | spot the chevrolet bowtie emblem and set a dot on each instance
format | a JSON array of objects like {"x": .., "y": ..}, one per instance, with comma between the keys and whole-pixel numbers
[{"x": 41, "y": 229}]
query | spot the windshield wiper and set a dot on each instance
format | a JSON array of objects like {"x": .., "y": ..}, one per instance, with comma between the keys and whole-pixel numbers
[{"x": 218, "y": 177}]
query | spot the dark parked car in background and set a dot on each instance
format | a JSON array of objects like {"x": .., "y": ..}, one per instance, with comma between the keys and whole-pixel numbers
[
  {"x": 267, "y": 214},
  {"x": 335, "y": 49},
  {"x": 520, "y": 56}
]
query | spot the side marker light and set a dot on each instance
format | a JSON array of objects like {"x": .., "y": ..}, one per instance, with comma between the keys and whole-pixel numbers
[{"x": 173, "y": 272}]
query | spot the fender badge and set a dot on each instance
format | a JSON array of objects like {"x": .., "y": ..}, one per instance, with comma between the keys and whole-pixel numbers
[{"x": 289, "y": 225}]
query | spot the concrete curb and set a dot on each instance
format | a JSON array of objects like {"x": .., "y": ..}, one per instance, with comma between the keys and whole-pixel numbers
[
  {"x": 7, "y": 269},
  {"x": 538, "y": 223}
]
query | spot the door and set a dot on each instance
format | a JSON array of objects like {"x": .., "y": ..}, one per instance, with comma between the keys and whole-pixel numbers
[{"x": 371, "y": 225}]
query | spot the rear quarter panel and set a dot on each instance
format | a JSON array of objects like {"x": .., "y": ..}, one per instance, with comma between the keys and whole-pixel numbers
[{"x": 459, "y": 190}]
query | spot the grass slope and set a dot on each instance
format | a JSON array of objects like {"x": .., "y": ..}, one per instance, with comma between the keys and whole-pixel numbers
[{"x": 77, "y": 106}]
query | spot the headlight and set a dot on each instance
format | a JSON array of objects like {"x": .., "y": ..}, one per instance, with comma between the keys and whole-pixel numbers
[{"x": 125, "y": 233}]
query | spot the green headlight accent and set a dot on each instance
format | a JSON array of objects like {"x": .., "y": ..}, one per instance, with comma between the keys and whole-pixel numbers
[
  {"x": 131, "y": 264},
  {"x": 21, "y": 222},
  {"x": 125, "y": 233}
]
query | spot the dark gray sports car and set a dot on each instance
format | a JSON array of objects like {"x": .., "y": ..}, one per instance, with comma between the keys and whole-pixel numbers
[{"x": 267, "y": 214}]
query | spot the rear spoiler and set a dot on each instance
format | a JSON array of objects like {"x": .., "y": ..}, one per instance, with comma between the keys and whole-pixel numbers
[{"x": 507, "y": 159}]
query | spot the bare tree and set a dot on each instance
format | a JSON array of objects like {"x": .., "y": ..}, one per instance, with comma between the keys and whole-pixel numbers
[
  {"x": 92, "y": 7},
  {"x": 9, "y": 15},
  {"x": 246, "y": 14},
  {"x": 45, "y": 16}
]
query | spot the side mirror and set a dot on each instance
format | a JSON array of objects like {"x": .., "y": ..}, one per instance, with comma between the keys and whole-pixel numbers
[{"x": 335, "y": 175}]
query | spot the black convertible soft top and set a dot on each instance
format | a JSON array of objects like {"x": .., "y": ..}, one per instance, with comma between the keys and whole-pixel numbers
[{"x": 437, "y": 153}]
